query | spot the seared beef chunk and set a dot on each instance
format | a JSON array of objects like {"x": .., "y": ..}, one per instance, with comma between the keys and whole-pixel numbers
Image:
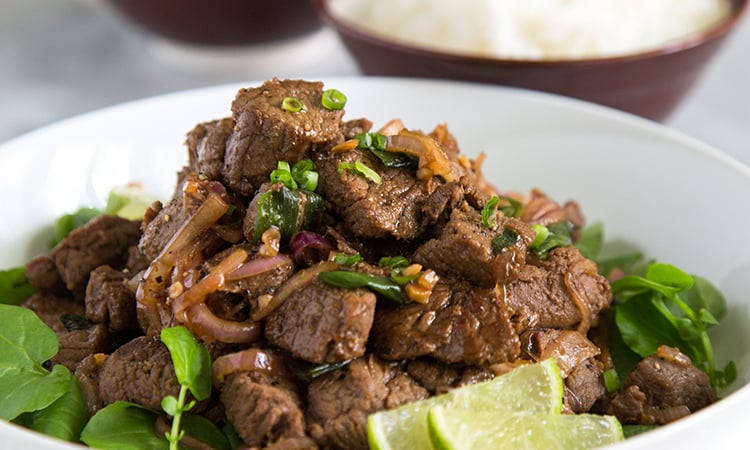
[
  {"x": 50, "y": 308},
  {"x": 109, "y": 300},
  {"x": 662, "y": 388},
  {"x": 321, "y": 323},
  {"x": 87, "y": 372},
  {"x": 584, "y": 386},
  {"x": 163, "y": 223},
  {"x": 351, "y": 128},
  {"x": 391, "y": 208},
  {"x": 77, "y": 344},
  {"x": 459, "y": 323},
  {"x": 563, "y": 291},
  {"x": 206, "y": 144},
  {"x": 339, "y": 402},
  {"x": 267, "y": 280},
  {"x": 43, "y": 275},
  {"x": 439, "y": 378},
  {"x": 139, "y": 371},
  {"x": 262, "y": 408},
  {"x": 103, "y": 240},
  {"x": 464, "y": 248},
  {"x": 265, "y": 133}
]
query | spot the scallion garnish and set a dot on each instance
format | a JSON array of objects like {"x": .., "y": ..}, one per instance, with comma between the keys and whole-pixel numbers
[
  {"x": 488, "y": 212},
  {"x": 359, "y": 168},
  {"x": 558, "y": 234},
  {"x": 384, "y": 286},
  {"x": 292, "y": 104},
  {"x": 283, "y": 174},
  {"x": 344, "y": 259},
  {"x": 304, "y": 174},
  {"x": 507, "y": 238},
  {"x": 333, "y": 99},
  {"x": 377, "y": 143}
]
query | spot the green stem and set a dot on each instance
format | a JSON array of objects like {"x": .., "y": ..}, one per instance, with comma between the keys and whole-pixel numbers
[{"x": 174, "y": 434}]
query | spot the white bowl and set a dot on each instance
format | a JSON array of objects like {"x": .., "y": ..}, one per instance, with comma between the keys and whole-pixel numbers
[{"x": 677, "y": 199}]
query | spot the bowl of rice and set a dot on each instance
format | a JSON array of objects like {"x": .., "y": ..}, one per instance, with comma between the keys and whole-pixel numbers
[{"x": 640, "y": 56}]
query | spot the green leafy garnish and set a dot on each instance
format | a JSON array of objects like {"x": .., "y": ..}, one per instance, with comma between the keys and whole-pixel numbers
[
  {"x": 123, "y": 425},
  {"x": 303, "y": 172},
  {"x": 344, "y": 259},
  {"x": 192, "y": 365},
  {"x": 280, "y": 208},
  {"x": 386, "y": 287},
  {"x": 359, "y": 168},
  {"x": 14, "y": 286},
  {"x": 292, "y": 104},
  {"x": 377, "y": 143},
  {"x": 488, "y": 212},
  {"x": 397, "y": 264},
  {"x": 505, "y": 239},
  {"x": 665, "y": 307},
  {"x": 555, "y": 235}
]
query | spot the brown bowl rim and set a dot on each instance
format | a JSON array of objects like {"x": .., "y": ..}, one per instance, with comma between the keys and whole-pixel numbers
[{"x": 739, "y": 9}]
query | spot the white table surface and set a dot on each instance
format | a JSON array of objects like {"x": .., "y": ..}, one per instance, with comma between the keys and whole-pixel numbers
[{"x": 65, "y": 57}]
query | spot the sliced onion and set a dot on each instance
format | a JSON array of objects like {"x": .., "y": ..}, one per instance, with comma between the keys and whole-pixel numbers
[
  {"x": 432, "y": 159},
  {"x": 245, "y": 361},
  {"x": 206, "y": 326},
  {"x": 295, "y": 283},
  {"x": 208, "y": 284},
  {"x": 155, "y": 277},
  {"x": 257, "y": 266},
  {"x": 392, "y": 127},
  {"x": 309, "y": 248}
]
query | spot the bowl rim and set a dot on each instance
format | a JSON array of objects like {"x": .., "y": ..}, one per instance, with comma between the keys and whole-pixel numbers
[{"x": 349, "y": 29}]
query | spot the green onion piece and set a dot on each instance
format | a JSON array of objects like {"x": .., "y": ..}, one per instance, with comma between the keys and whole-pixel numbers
[
  {"x": 292, "y": 104},
  {"x": 333, "y": 99},
  {"x": 392, "y": 262},
  {"x": 277, "y": 208},
  {"x": 488, "y": 212},
  {"x": 513, "y": 209},
  {"x": 283, "y": 174},
  {"x": 384, "y": 286},
  {"x": 343, "y": 259},
  {"x": 308, "y": 180},
  {"x": 560, "y": 235},
  {"x": 326, "y": 368},
  {"x": 542, "y": 233},
  {"x": 359, "y": 168},
  {"x": 403, "y": 279},
  {"x": 377, "y": 143},
  {"x": 505, "y": 239}
]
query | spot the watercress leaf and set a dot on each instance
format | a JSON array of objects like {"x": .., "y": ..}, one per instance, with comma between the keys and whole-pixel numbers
[
  {"x": 591, "y": 240},
  {"x": 706, "y": 317},
  {"x": 669, "y": 275},
  {"x": 25, "y": 341},
  {"x": 704, "y": 295},
  {"x": 688, "y": 329},
  {"x": 66, "y": 417},
  {"x": 26, "y": 390},
  {"x": 169, "y": 405},
  {"x": 644, "y": 326},
  {"x": 123, "y": 426},
  {"x": 623, "y": 358},
  {"x": 192, "y": 362},
  {"x": 202, "y": 429},
  {"x": 14, "y": 286},
  {"x": 624, "y": 262},
  {"x": 633, "y": 284}
]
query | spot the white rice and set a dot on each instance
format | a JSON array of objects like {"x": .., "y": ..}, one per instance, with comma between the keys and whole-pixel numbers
[{"x": 535, "y": 29}]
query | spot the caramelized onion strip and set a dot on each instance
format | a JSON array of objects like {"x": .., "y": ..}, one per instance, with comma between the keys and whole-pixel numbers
[
  {"x": 206, "y": 326},
  {"x": 433, "y": 161},
  {"x": 257, "y": 266},
  {"x": 246, "y": 360}
]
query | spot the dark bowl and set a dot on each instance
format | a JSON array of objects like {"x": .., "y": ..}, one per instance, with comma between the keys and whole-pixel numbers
[
  {"x": 650, "y": 84},
  {"x": 221, "y": 22}
]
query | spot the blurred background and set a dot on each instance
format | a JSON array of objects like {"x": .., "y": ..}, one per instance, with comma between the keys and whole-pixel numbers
[{"x": 65, "y": 57}]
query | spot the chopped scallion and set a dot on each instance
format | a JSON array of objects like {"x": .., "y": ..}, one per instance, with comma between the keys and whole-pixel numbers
[
  {"x": 488, "y": 212},
  {"x": 292, "y": 104},
  {"x": 333, "y": 99},
  {"x": 359, "y": 168}
]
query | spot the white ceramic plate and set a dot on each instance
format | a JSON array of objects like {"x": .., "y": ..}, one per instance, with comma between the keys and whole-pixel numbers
[{"x": 681, "y": 201}]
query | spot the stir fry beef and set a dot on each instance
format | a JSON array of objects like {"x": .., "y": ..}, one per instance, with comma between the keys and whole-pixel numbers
[
  {"x": 562, "y": 291},
  {"x": 459, "y": 323},
  {"x": 263, "y": 408},
  {"x": 219, "y": 258},
  {"x": 662, "y": 388},
  {"x": 42, "y": 273},
  {"x": 265, "y": 133},
  {"x": 103, "y": 240},
  {"x": 76, "y": 344},
  {"x": 109, "y": 300},
  {"x": 321, "y": 323},
  {"x": 464, "y": 249},
  {"x": 140, "y": 371},
  {"x": 575, "y": 355},
  {"x": 50, "y": 308},
  {"x": 389, "y": 208},
  {"x": 339, "y": 401},
  {"x": 207, "y": 145}
]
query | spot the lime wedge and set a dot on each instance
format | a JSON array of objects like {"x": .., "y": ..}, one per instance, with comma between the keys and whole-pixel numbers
[
  {"x": 532, "y": 388},
  {"x": 452, "y": 429}
]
